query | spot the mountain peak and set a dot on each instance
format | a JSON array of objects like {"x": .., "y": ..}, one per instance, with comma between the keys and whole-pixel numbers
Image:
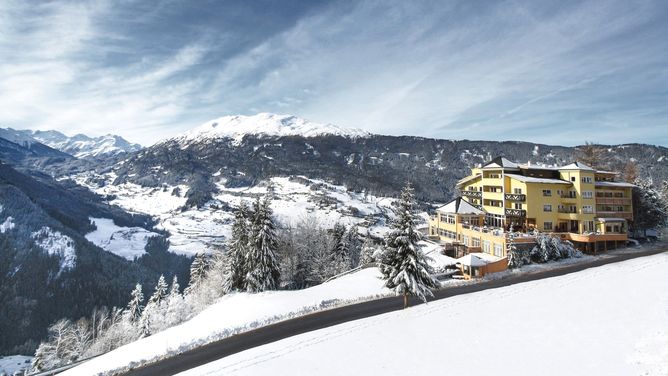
[{"x": 237, "y": 126}]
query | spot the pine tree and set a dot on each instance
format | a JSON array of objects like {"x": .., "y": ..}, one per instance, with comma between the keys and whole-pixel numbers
[
  {"x": 354, "y": 245},
  {"x": 160, "y": 291},
  {"x": 135, "y": 306},
  {"x": 238, "y": 248},
  {"x": 340, "y": 253},
  {"x": 649, "y": 208},
  {"x": 514, "y": 256},
  {"x": 263, "y": 270},
  {"x": 368, "y": 251},
  {"x": 198, "y": 271},
  {"x": 404, "y": 266}
]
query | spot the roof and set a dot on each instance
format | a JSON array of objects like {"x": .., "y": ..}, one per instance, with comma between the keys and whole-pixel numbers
[
  {"x": 618, "y": 184},
  {"x": 471, "y": 260},
  {"x": 576, "y": 166},
  {"x": 531, "y": 179},
  {"x": 610, "y": 220},
  {"x": 501, "y": 162},
  {"x": 459, "y": 206},
  {"x": 469, "y": 179}
]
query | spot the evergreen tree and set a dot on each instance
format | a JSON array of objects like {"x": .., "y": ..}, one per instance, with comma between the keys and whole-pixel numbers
[
  {"x": 404, "y": 266},
  {"x": 368, "y": 251},
  {"x": 352, "y": 239},
  {"x": 649, "y": 208},
  {"x": 263, "y": 270},
  {"x": 514, "y": 256},
  {"x": 238, "y": 248},
  {"x": 591, "y": 154},
  {"x": 135, "y": 306},
  {"x": 340, "y": 254},
  {"x": 160, "y": 291},
  {"x": 198, "y": 271}
]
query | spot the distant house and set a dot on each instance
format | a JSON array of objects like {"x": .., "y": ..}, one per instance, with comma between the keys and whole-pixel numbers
[{"x": 590, "y": 208}]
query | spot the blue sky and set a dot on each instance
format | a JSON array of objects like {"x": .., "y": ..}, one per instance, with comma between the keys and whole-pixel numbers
[{"x": 556, "y": 72}]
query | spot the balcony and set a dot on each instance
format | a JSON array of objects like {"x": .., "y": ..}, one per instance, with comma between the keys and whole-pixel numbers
[
  {"x": 613, "y": 200},
  {"x": 614, "y": 214},
  {"x": 472, "y": 194},
  {"x": 515, "y": 213},
  {"x": 515, "y": 197}
]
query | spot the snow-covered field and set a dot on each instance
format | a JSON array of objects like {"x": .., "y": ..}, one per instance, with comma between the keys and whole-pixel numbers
[
  {"x": 128, "y": 242},
  {"x": 204, "y": 230},
  {"x": 13, "y": 364},
  {"x": 239, "y": 312},
  {"x": 610, "y": 320}
]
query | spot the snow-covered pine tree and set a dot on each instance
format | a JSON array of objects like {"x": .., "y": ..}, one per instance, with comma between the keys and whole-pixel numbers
[
  {"x": 237, "y": 250},
  {"x": 135, "y": 306},
  {"x": 263, "y": 270},
  {"x": 198, "y": 271},
  {"x": 368, "y": 251},
  {"x": 354, "y": 245},
  {"x": 340, "y": 254},
  {"x": 649, "y": 207},
  {"x": 177, "y": 310},
  {"x": 404, "y": 266},
  {"x": 160, "y": 291},
  {"x": 514, "y": 255}
]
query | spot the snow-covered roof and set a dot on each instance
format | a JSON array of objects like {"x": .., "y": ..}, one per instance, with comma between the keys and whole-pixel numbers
[
  {"x": 604, "y": 220},
  {"x": 531, "y": 179},
  {"x": 618, "y": 184},
  {"x": 266, "y": 124},
  {"x": 469, "y": 179},
  {"x": 576, "y": 166},
  {"x": 471, "y": 260},
  {"x": 500, "y": 162},
  {"x": 487, "y": 257},
  {"x": 459, "y": 206}
]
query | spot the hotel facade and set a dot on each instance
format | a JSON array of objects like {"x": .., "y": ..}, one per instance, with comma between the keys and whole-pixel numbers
[{"x": 590, "y": 208}]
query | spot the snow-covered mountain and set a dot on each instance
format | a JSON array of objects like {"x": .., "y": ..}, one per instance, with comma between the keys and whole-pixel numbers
[
  {"x": 80, "y": 145},
  {"x": 266, "y": 124}
]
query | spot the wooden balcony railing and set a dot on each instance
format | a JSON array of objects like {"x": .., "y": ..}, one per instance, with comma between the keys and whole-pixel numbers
[
  {"x": 515, "y": 213},
  {"x": 472, "y": 194},
  {"x": 613, "y": 201},
  {"x": 515, "y": 197}
]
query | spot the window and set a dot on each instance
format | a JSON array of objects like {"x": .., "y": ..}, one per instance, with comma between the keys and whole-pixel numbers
[
  {"x": 465, "y": 240},
  {"x": 518, "y": 205},
  {"x": 560, "y": 193},
  {"x": 476, "y": 242},
  {"x": 588, "y": 226},
  {"x": 547, "y": 208},
  {"x": 547, "y": 192},
  {"x": 517, "y": 191},
  {"x": 587, "y": 179},
  {"x": 587, "y": 194},
  {"x": 587, "y": 209},
  {"x": 572, "y": 178},
  {"x": 486, "y": 246},
  {"x": 498, "y": 250},
  {"x": 547, "y": 226}
]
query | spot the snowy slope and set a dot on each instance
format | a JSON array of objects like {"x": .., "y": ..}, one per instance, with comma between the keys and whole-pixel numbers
[
  {"x": 236, "y": 127},
  {"x": 610, "y": 320},
  {"x": 204, "y": 230},
  {"x": 12, "y": 364},
  {"x": 128, "y": 242},
  {"x": 55, "y": 243},
  {"x": 239, "y": 312}
]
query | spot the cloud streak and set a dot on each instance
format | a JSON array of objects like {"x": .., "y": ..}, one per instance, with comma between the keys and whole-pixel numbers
[{"x": 554, "y": 72}]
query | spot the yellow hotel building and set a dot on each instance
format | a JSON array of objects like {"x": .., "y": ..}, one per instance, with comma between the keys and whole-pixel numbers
[{"x": 587, "y": 207}]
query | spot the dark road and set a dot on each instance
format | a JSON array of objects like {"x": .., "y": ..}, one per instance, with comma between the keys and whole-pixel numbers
[{"x": 319, "y": 320}]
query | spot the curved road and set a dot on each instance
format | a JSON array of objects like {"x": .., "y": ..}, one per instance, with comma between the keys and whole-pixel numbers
[{"x": 319, "y": 320}]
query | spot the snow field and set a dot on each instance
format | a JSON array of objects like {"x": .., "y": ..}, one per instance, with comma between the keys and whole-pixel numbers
[
  {"x": 235, "y": 313},
  {"x": 204, "y": 230},
  {"x": 610, "y": 320},
  {"x": 127, "y": 242}
]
